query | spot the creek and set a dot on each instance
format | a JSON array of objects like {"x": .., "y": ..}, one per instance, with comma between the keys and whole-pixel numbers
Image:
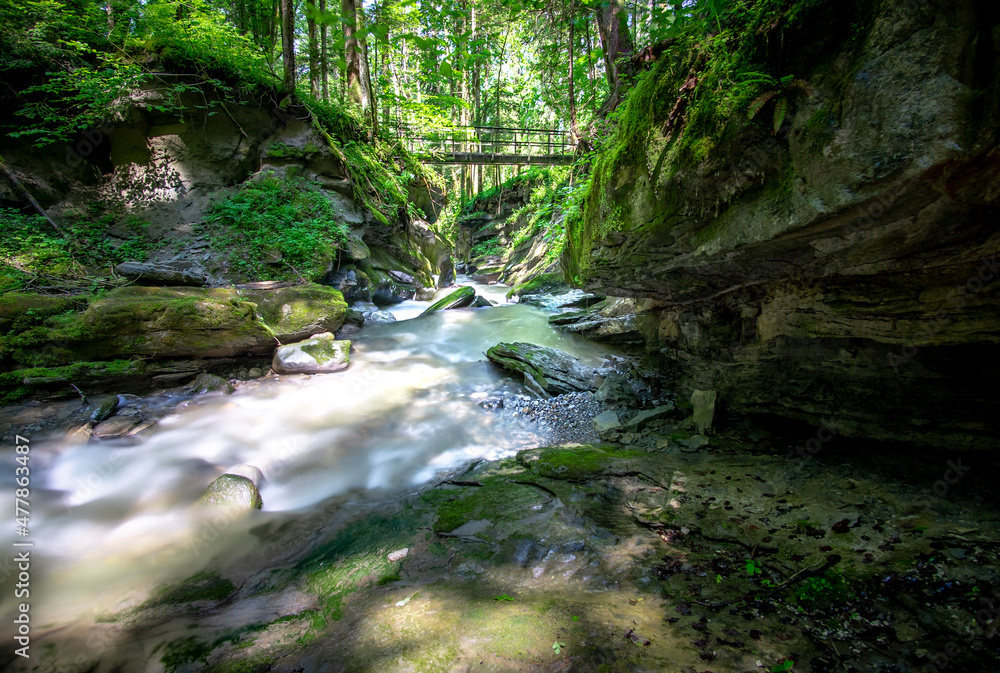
[{"x": 113, "y": 519}]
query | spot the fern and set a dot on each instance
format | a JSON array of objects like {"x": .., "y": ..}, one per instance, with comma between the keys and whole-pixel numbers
[
  {"x": 780, "y": 110},
  {"x": 759, "y": 102}
]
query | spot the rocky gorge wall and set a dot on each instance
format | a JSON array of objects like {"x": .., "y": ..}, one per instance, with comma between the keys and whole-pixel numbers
[
  {"x": 842, "y": 271},
  {"x": 167, "y": 170}
]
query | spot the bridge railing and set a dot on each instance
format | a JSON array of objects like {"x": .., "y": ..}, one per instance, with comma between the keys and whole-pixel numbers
[{"x": 499, "y": 140}]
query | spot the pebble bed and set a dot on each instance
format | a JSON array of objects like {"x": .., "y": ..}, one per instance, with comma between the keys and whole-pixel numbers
[{"x": 562, "y": 419}]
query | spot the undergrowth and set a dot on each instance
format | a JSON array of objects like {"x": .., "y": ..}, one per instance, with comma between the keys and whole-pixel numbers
[{"x": 285, "y": 222}]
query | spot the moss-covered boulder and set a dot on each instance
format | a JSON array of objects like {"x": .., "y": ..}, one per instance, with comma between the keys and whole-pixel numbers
[
  {"x": 21, "y": 310},
  {"x": 460, "y": 298},
  {"x": 546, "y": 371},
  {"x": 145, "y": 322},
  {"x": 231, "y": 490},
  {"x": 294, "y": 313},
  {"x": 321, "y": 354}
]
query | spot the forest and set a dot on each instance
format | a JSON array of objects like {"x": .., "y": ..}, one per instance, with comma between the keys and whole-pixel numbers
[{"x": 499, "y": 335}]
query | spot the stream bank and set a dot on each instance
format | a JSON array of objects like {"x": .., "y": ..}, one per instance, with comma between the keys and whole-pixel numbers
[{"x": 409, "y": 525}]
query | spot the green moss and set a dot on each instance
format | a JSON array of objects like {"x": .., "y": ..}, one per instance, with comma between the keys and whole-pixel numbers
[
  {"x": 729, "y": 71},
  {"x": 356, "y": 557},
  {"x": 498, "y": 500},
  {"x": 543, "y": 281},
  {"x": 144, "y": 322},
  {"x": 572, "y": 462},
  {"x": 203, "y": 586}
]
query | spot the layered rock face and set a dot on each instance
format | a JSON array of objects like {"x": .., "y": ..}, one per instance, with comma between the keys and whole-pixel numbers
[{"x": 844, "y": 271}]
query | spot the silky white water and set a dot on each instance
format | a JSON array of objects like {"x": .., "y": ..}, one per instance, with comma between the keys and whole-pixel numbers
[{"x": 112, "y": 520}]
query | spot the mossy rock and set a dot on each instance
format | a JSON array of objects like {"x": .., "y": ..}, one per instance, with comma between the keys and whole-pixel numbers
[
  {"x": 498, "y": 501},
  {"x": 570, "y": 462},
  {"x": 460, "y": 298},
  {"x": 203, "y": 586},
  {"x": 544, "y": 282},
  {"x": 148, "y": 322},
  {"x": 321, "y": 354},
  {"x": 21, "y": 310},
  {"x": 294, "y": 313},
  {"x": 232, "y": 490}
]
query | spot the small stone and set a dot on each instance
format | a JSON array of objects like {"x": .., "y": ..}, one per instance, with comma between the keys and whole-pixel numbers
[
  {"x": 398, "y": 555},
  {"x": 255, "y": 373}
]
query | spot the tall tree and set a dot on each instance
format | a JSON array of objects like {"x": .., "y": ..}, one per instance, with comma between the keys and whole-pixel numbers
[
  {"x": 288, "y": 45},
  {"x": 616, "y": 42},
  {"x": 314, "y": 71}
]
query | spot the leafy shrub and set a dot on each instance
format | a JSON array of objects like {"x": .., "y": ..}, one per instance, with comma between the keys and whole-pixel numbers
[{"x": 272, "y": 217}]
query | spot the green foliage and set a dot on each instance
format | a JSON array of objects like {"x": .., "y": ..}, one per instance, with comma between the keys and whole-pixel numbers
[
  {"x": 828, "y": 589},
  {"x": 490, "y": 246},
  {"x": 686, "y": 108},
  {"x": 286, "y": 221},
  {"x": 784, "y": 666},
  {"x": 503, "y": 597},
  {"x": 30, "y": 246}
]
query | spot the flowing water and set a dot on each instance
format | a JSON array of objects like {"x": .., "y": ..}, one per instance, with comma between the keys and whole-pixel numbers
[{"x": 111, "y": 520}]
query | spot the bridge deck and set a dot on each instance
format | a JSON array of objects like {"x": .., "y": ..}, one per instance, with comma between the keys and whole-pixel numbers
[
  {"x": 489, "y": 158},
  {"x": 487, "y": 145}
]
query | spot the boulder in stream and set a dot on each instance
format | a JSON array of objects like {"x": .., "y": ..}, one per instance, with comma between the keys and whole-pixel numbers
[
  {"x": 171, "y": 273},
  {"x": 233, "y": 490},
  {"x": 546, "y": 371},
  {"x": 210, "y": 383},
  {"x": 320, "y": 354},
  {"x": 460, "y": 298}
]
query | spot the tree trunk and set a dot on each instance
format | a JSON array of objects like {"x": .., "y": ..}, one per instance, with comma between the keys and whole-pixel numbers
[
  {"x": 313, "y": 51},
  {"x": 364, "y": 76},
  {"x": 288, "y": 45},
  {"x": 612, "y": 24},
  {"x": 572, "y": 94},
  {"x": 324, "y": 73},
  {"x": 352, "y": 57}
]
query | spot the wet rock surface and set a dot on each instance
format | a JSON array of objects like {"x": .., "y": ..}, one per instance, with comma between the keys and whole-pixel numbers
[
  {"x": 546, "y": 371},
  {"x": 629, "y": 560}
]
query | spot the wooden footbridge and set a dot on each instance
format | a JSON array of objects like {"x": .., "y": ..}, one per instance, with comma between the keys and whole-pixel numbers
[{"x": 488, "y": 145}]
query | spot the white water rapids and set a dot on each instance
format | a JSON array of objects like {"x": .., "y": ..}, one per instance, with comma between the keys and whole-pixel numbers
[{"x": 112, "y": 520}]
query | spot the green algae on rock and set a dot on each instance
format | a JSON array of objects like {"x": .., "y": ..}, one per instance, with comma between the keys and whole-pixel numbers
[
  {"x": 297, "y": 312},
  {"x": 321, "y": 354},
  {"x": 460, "y": 298}
]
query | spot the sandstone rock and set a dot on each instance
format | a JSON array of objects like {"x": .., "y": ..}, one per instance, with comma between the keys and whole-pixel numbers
[
  {"x": 703, "y": 402},
  {"x": 170, "y": 273},
  {"x": 605, "y": 422},
  {"x": 234, "y": 491},
  {"x": 116, "y": 426},
  {"x": 644, "y": 418},
  {"x": 321, "y": 354},
  {"x": 546, "y": 371}
]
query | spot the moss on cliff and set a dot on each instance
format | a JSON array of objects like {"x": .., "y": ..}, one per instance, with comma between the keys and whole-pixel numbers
[{"x": 702, "y": 104}]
